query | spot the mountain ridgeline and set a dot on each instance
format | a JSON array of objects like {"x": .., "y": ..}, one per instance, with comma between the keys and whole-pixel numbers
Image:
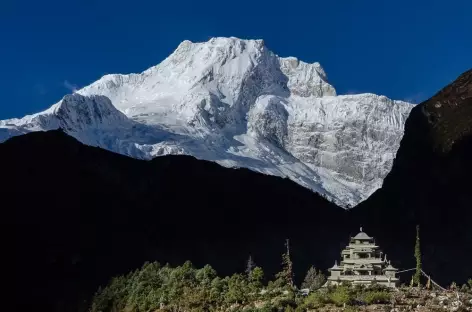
[{"x": 236, "y": 103}]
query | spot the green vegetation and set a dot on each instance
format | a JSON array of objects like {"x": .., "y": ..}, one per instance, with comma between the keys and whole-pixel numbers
[
  {"x": 464, "y": 288},
  {"x": 156, "y": 288},
  {"x": 314, "y": 279},
  {"x": 184, "y": 288},
  {"x": 379, "y": 296},
  {"x": 316, "y": 300},
  {"x": 284, "y": 278},
  {"x": 453, "y": 286},
  {"x": 175, "y": 289},
  {"x": 342, "y": 295}
]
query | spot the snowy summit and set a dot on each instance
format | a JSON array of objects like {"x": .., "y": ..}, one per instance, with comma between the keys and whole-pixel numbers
[{"x": 234, "y": 102}]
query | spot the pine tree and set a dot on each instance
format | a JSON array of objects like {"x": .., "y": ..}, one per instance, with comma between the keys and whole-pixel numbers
[
  {"x": 255, "y": 278},
  {"x": 314, "y": 279},
  {"x": 286, "y": 275},
  {"x": 250, "y": 266},
  {"x": 417, "y": 276}
]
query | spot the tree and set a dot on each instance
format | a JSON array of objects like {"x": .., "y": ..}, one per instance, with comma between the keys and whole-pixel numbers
[
  {"x": 417, "y": 276},
  {"x": 314, "y": 279},
  {"x": 285, "y": 277},
  {"x": 205, "y": 275},
  {"x": 250, "y": 266},
  {"x": 237, "y": 289},
  {"x": 255, "y": 278}
]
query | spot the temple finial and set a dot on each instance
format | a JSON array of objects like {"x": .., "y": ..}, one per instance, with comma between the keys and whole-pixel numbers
[{"x": 361, "y": 228}]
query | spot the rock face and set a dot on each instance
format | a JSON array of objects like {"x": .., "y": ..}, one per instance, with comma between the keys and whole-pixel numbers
[{"x": 236, "y": 103}]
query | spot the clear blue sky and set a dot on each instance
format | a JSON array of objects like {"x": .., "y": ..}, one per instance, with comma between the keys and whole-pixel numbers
[{"x": 401, "y": 49}]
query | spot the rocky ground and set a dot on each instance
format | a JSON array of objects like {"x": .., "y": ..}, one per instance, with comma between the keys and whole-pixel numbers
[{"x": 415, "y": 300}]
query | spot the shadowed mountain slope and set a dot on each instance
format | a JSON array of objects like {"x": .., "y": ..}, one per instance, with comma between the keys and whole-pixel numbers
[
  {"x": 80, "y": 215},
  {"x": 430, "y": 184}
]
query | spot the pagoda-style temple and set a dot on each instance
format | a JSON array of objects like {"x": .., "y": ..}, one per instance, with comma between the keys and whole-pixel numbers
[{"x": 362, "y": 263}]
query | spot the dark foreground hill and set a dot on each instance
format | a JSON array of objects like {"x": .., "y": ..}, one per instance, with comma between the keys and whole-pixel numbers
[{"x": 79, "y": 215}]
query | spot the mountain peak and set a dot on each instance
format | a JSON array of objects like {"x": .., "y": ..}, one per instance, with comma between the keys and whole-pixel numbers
[
  {"x": 77, "y": 112},
  {"x": 235, "y": 102}
]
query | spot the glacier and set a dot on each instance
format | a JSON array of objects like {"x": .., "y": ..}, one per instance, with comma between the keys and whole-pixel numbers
[{"x": 234, "y": 102}]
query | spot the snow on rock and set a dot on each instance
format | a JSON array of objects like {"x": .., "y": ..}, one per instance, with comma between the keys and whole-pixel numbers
[{"x": 234, "y": 102}]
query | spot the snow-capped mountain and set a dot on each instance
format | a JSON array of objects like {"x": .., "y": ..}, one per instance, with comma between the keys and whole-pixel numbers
[{"x": 234, "y": 102}]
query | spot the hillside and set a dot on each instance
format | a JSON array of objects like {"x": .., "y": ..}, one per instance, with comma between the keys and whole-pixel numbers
[
  {"x": 429, "y": 182},
  {"x": 80, "y": 214}
]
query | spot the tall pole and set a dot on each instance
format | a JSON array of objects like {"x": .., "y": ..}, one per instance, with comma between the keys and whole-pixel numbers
[{"x": 417, "y": 276}]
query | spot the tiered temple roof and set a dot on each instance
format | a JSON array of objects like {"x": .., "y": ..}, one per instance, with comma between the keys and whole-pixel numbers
[{"x": 363, "y": 263}]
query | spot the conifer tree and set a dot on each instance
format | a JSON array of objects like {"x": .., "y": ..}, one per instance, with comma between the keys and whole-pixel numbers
[
  {"x": 250, "y": 266},
  {"x": 286, "y": 275},
  {"x": 314, "y": 279},
  {"x": 255, "y": 278},
  {"x": 417, "y": 276}
]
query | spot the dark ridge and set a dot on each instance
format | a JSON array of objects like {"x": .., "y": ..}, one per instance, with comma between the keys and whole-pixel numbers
[
  {"x": 429, "y": 185},
  {"x": 80, "y": 215}
]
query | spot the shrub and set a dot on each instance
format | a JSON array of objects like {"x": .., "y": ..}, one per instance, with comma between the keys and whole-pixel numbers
[
  {"x": 371, "y": 297},
  {"x": 289, "y": 309},
  {"x": 284, "y": 302},
  {"x": 300, "y": 308},
  {"x": 346, "y": 284},
  {"x": 341, "y": 295},
  {"x": 315, "y": 300},
  {"x": 358, "y": 288},
  {"x": 237, "y": 289},
  {"x": 266, "y": 308},
  {"x": 453, "y": 286}
]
